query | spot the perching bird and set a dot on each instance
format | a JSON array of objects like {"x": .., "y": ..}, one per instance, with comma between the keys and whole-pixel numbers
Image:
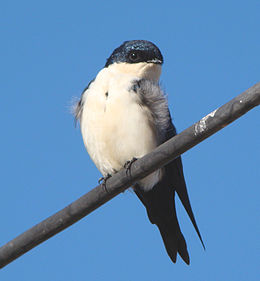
[{"x": 124, "y": 115}]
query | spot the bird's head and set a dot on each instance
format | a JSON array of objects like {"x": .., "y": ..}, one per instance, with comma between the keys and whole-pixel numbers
[{"x": 138, "y": 57}]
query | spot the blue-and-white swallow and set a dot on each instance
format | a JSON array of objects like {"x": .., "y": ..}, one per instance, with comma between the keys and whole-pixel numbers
[{"x": 123, "y": 115}]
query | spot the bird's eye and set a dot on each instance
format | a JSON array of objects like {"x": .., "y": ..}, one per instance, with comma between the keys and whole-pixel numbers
[{"x": 134, "y": 56}]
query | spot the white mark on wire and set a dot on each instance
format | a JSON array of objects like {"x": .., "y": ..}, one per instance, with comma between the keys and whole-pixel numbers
[{"x": 201, "y": 125}]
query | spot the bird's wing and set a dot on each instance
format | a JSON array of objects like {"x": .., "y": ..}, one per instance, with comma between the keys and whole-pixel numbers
[{"x": 179, "y": 182}]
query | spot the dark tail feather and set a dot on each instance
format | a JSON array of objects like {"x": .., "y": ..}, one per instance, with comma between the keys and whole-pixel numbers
[
  {"x": 182, "y": 192},
  {"x": 174, "y": 241},
  {"x": 160, "y": 206}
]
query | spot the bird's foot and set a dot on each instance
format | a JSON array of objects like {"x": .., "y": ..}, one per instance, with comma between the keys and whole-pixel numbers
[
  {"x": 103, "y": 181},
  {"x": 128, "y": 165}
]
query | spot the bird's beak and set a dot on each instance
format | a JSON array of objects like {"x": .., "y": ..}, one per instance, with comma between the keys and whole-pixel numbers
[{"x": 155, "y": 61}]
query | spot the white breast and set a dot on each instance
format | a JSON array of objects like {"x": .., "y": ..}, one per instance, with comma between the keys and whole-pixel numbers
[{"x": 115, "y": 127}]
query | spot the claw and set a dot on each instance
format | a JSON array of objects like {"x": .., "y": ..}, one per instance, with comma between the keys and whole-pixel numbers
[
  {"x": 103, "y": 181},
  {"x": 100, "y": 180},
  {"x": 128, "y": 165}
]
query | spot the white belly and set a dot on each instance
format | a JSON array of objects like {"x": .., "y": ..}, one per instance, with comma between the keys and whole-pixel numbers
[
  {"x": 115, "y": 127},
  {"x": 116, "y": 132}
]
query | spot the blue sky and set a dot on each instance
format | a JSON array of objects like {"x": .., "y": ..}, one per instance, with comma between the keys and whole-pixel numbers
[{"x": 49, "y": 52}]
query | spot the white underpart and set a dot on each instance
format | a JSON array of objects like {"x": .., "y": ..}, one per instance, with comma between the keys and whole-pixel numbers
[{"x": 115, "y": 128}]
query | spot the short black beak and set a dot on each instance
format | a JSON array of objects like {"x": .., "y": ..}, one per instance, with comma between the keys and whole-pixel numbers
[{"x": 155, "y": 61}]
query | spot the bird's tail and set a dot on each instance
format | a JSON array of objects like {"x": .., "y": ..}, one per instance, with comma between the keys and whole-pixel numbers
[
  {"x": 160, "y": 207},
  {"x": 173, "y": 239}
]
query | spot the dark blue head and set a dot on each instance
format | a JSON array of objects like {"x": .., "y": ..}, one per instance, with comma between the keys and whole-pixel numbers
[{"x": 136, "y": 51}]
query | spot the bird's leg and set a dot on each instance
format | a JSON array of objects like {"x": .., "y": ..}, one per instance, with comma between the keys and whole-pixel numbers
[
  {"x": 128, "y": 165},
  {"x": 103, "y": 181}
]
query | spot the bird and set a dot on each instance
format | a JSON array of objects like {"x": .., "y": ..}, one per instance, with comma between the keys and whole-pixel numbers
[{"x": 123, "y": 115}]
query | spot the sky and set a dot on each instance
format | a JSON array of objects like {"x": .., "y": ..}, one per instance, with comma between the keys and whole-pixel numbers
[{"x": 50, "y": 50}]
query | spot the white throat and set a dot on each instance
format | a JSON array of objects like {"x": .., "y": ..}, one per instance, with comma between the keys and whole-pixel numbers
[{"x": 139, "y": 70}]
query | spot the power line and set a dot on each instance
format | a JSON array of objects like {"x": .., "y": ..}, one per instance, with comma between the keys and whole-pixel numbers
[{"x": 119, "y": 182}]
